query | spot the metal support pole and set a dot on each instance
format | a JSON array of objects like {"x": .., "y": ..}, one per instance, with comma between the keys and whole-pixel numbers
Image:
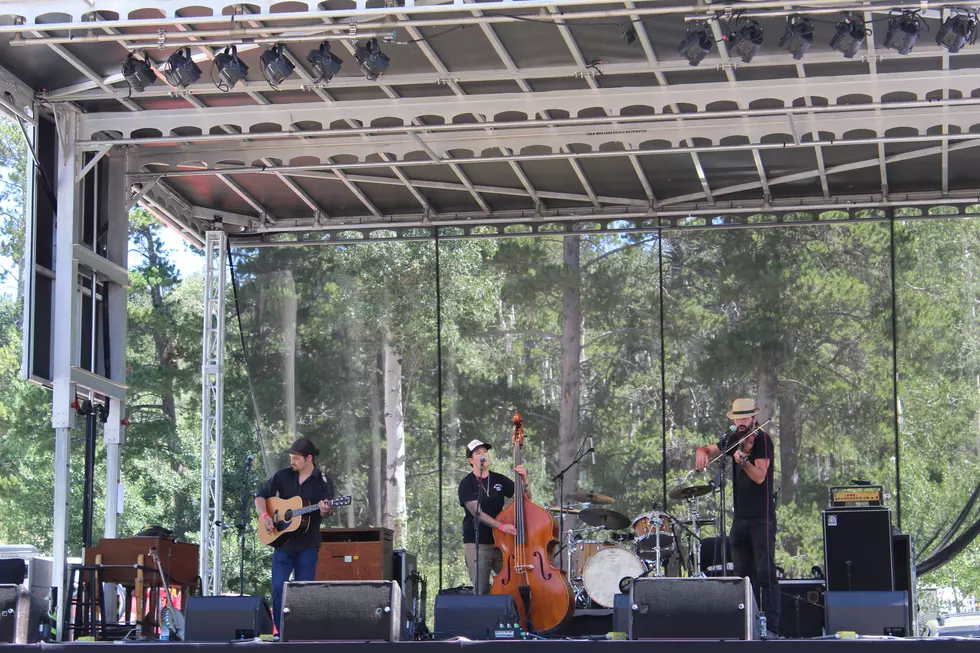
[{"x": 212, "y": 402}]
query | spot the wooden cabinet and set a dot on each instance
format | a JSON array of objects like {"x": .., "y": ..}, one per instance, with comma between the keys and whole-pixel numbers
[{"x": 355, "y": 554}]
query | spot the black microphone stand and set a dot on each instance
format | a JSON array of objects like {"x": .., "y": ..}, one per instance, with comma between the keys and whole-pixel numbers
[
  {"x": 242, "y": 526},
  {"x": 560, "y": 478},
  {"x": 476, "y": 523}
]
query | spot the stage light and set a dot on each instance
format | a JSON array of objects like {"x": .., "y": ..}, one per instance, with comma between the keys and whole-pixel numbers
[
  {"x": 138, "y": 72},
  {"x": 371, "y": 59},
  {"x": 275, "y": 66},
  {"x": 627, "y": 32},
  {"x": 957, "y": 31},
  {"x": 696, "y": 44},
  {"x": 325, "y": 63},
  {"x": 850, "y": 36},
  {"x": 231, "y": 69},
  {"x": 746, "y": 39},
  {"x": 181, "y": 69},
  {"x": 902, "y": 32},
  {"x": 798, "y": 36}
]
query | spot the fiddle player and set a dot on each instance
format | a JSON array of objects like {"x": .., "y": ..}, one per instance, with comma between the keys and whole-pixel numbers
[
  {"x": 752, "y": 537},
  {"x": 298, "y": 554},
  {"x": 492, "y": 491}
]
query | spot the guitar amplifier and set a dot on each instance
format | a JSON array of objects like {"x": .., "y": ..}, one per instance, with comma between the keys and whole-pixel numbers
[
  {"x": 803, "y": 608},
  {"x": 20, "y": 615},
  {"x": 858, "y": 549}
]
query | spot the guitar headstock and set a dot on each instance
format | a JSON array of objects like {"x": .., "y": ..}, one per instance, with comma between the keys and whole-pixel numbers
[
  {"x": 518, "y": 438},
  {"x": 340, "y": 502}
]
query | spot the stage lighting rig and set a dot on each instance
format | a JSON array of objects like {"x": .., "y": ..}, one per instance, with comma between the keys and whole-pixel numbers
[
  {"x": 325, "y": 63},
  {"x": 745, "y": 39},
  {"x": 957, "y": 31},
  {"x": 903, "y": 30},
  {"x": 275, "y": 66},
  {"x": 371, "y": 59},
  {"x": 696, "y": 44},
  {"x": 138, "y": 72},
  {"x": 627, "y": 32},
  {"x": 181, "y": 69},
  {"x": 798, "y": 36},
  {"x": 231, "y": 69},
  {"x": 850, "y": 36}
]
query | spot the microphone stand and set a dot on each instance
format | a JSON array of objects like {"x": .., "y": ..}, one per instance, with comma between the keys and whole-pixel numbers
[
  {"x": 476, "y": 524},
  {"x": 560, "y": 478},
  {"x": 242, "y": 526}
]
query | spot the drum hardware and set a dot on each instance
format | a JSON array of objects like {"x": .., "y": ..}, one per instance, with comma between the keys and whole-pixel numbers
[
  {"x": 604, "y": 518},
  {"x": 590, "y": 497}
]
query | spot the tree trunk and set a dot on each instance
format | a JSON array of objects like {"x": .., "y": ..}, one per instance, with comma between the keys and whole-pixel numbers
[
  {"x": 375, "y": 487},
  {"x": 396, "y": 511},
  {"x": 768, "y": 382},
  {"x": 790, "y": 435},
  {"x": 571, "y": 356}
]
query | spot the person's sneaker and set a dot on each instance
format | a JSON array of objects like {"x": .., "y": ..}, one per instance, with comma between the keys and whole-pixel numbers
[{"x": 772, "y": 635}]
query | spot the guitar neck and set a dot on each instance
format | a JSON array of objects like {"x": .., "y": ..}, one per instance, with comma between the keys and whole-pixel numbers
[{"x": 315, "y": 506}]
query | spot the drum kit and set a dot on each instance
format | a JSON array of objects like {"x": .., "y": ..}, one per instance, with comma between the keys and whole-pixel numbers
[{"x": 610, "y": 549}]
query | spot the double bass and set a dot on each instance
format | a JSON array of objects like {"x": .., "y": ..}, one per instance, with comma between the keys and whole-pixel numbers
[{"x": 544, "y": 598}]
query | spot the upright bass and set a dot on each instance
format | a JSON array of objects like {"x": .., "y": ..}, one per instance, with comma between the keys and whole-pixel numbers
[{"x": 544, "y": 597}]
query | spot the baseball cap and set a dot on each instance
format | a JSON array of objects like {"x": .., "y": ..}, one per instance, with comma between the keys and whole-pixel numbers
[{"x": 473, "y": 444}]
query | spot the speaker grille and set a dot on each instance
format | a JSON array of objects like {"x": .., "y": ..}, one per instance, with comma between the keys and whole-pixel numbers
[
  {"x": 692, "y": 608},
  {"x": 226, "y": 618},
  {"x": 341, "y": 610}
]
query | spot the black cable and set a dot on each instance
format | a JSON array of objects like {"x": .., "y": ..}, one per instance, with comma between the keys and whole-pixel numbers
[
  {"x": 45, "y": 182},
  {"x": 431, "y": 36}
]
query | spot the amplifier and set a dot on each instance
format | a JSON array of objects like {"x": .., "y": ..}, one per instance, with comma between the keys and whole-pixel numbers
[
  {"x": 475, "y": 616},
  {"x": 858, "y": 549},
  {"x": 20, "y": 615},
  {"x": 225, "y": 618},
  {"x": 342, "y": 610},
  {"x": 802, "y": 608},
  {"x": 692, "y": 608},
  {"x": 868, "y": 613}
]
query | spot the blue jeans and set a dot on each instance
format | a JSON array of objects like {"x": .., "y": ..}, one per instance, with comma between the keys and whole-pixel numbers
[{"x": 302, "y": 564}]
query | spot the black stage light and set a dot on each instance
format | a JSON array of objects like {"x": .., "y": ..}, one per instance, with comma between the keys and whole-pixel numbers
[
  {"x": 746, "y": 39},
  {"x": 850, "y": 36},
  {"x": 696, "y": 44},
  {"x": 902, "y": 32},
  {"x": 371, "y": 59},
  {"x": 181, "y": 69},
  {"x": 275, "y": 66},
  {"x": 325, "y": 63},
  {"x": 628, "y": 32},
  {"x": 138, "y": 72},
  {"x": 231, "y": 69},
  {"x": 957, "y": 31},
  {"x": 798, "y": 36}
]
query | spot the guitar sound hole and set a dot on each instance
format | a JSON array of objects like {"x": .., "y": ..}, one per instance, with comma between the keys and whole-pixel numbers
[{"x": 288, "y": 516}]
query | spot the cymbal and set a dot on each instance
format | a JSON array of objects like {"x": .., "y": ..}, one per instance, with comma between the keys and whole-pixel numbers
[
  {"x": 700, "y": 522},
  {"x": 604, "y": 518},
  {"x": 589, "y": 497},
  {"x": 568, "y": 510},
  {"x": 690, "y": 492}
]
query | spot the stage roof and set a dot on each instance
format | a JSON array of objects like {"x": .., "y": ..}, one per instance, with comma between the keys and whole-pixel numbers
[{"x": 503, "y": 111}]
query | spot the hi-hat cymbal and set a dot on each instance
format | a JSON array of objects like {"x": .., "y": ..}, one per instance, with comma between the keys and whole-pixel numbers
[
  {"x": 604, "y": 518},
  {"x": 568, "y": 510},
  {"x": 700, "y": 522},
  {"x": 589, "y": 497},
  {"x": 690, "y": 492}
]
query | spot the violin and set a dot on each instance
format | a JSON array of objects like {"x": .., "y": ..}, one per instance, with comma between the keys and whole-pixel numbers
[{"x": 544, "y": 598}]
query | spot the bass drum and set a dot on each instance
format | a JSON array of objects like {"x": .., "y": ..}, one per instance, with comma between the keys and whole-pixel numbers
[{"x": 606, "y": 569}]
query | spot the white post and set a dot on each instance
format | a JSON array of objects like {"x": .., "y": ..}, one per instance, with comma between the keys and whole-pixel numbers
[
  {"x": 212, "y": 403},
  {"x": 65, "y": 346}
]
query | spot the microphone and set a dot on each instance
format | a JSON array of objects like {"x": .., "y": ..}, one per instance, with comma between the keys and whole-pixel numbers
[
  {"x": 592, "y": 448},
  {"x": 223, "y": 525},
  {"x": 249, "y": 459},
  {"x": 724, "y": 439},
  {"x": 483, "y": 459}
]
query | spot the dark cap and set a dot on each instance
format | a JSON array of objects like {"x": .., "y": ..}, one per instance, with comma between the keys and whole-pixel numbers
[
  {"x": 473, "y": 445},
  {"x": 303, "y": 447}
]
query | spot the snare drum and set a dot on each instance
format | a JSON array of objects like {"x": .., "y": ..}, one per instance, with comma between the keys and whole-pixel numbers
[
  {"x": 646, "y": 527},
  {"x": 606, "y": 569},
  {"x": 582, "y": 552}
]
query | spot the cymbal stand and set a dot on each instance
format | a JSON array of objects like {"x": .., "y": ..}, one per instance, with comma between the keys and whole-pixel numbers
[
  {"x": 657, "y": 522},
  {"x": 696, "y": 544}
]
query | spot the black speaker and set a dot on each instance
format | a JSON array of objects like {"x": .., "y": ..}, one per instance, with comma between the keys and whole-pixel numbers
[
  {"x": 903, "y": 548},
  {"x": 361, "y": 610},
  {"x": 692, "y": 608},
  {"x": 474, "y": 616},
  {"x": 403, "y": 564},
  {"x": 802, "y": 608},
  {"x": 858, "y": 549},
  {"x": 711, "y": 556},
  {"x": 868, "y": 613},
  {"x": 621, "y": 613},
  {"x": 20, "y": 615},
  {"x": 226, "y": 618}
]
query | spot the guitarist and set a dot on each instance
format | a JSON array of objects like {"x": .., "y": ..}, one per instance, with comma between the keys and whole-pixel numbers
[{"x": 298, "y": 554}]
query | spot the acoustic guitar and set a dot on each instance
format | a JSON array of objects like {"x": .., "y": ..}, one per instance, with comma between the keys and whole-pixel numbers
[{"x": 291, "y": 516}]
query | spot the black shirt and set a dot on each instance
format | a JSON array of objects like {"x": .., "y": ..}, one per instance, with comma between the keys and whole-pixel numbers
[
  {"x": 751, "y": 499},
  {"x": 317, "y": 487},
  {"x": 496, "y": 488}
]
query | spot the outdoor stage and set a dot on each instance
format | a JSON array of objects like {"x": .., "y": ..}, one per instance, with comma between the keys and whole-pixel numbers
[{"x": 547, "y": 646}]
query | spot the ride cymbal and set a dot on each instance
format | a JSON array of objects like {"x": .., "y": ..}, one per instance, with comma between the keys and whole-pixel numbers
[
  {"x": 690, "y": 492},
  {"x": 604, "y": 518},
  {"x": 589, "y": 497}
]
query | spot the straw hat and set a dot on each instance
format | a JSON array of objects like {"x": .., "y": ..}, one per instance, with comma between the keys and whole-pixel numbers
[{"x": 743, "y": 408}]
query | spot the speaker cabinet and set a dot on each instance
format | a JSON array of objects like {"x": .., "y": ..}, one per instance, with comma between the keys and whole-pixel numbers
[
  {"x": 903, "y": 547},
  {"x": 692, "y": 608},
  {"x": 803, "y": 608},
  {"x": 20, "y": 615},
  {"x": 868, "y": 613},
  {"x": 225, "y": 618},
  {"x": 474, "y": 616},
  {"x": 342, "y": 610},
  {"x": 858, "y": 549}
]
